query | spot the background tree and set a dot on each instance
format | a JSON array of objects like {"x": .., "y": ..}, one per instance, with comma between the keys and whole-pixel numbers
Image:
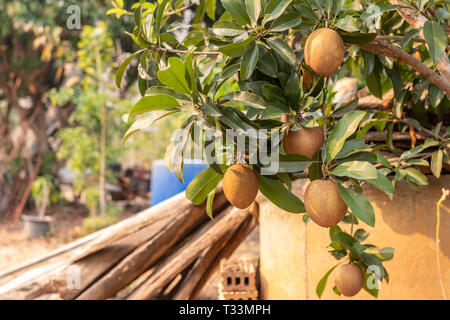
[{"x": 37, "y": 53}]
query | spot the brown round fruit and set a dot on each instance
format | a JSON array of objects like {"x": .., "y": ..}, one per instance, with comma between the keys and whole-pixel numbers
[
  {"x": 349, "y": 279},
  {"x": 240, "y": 185},
  {"x": 324, "y": 204},
  {"x": 304, "y": 141},
  {"x": 324, "y": 51}
]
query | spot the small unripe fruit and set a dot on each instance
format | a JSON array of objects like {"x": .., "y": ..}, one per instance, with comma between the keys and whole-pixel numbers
[
  {"x": 240, "y": 185},
  {"x": 304, "y": 141},
  {"x": 349, "y": 279},
  {"x": 324, "y": 204},
  {"x": 324, "y": 51}
]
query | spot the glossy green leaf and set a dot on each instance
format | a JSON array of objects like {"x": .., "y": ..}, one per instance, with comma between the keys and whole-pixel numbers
[
  {"x": 274, "y": 9},
  {"x": 248, "y": 99},
  {"x": 236, "y": 9},
  {"x": 283, "y": 50},
  {"x": 249, "y": 61},
  {"x": 203, "y": 184},
  {"x": 253, "y": 8},
  {"x": 174, "y": 77},
  {"x": 343, "y": 129},
  {"x": 436, "y": 163},
  {"x": 436, "y": 38},
  {"x": 286, "y": 21},
  {"x": 276, "y": 192},
  {"x": 323, "y": 282},
  {"x": 227, "y": 28},
  {"x": 154, "y": 102},
  {"x": 356, "y": 169},
  {"x": 236, "y": 49},
  {"x": 358, "y": 204}
]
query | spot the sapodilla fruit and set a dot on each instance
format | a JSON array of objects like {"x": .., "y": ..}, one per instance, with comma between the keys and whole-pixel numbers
[
  {"x": 349, "y": 279},
  {"x": 240, "y": 185},
  {"x": 324, "y": 204},
  {"x": 304, "y": 141},
  {"x": 324, "y": 51}
]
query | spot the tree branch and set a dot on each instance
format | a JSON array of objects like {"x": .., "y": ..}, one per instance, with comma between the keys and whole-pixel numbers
[
  {"x": 400, "y": 38},
  {"x": 389, "y": 50},
  {"x": 417, "y": 20},
  {"x": 157, "y": 49}
]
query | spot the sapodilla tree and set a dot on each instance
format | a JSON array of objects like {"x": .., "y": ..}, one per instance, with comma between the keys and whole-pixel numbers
[{"x": 252, "y": 64}]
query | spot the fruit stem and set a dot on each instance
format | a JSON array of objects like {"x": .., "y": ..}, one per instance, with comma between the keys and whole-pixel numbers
[{"x": 324, "y": 120}]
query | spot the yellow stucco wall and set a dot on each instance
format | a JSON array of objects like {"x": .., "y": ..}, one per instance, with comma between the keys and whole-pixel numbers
[{"x": 294, "y": 256}]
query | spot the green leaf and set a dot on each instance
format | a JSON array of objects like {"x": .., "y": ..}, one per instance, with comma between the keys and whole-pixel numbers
[
  {"x": 236, "y": 49},
  {"x": 253, "y": 8},
  {"x": 356, "y": 169},
  {"x": 146, "y": 121},
  {"x": 286, "y": 21},
  {"x": 351, "y": 147},
  {"x": 343, "y": 129},
  {"x": 211, "y": 9},
  {"x": 307, "y": 12},
  {"x": 436, "y": 38},
  {"x": 382, "y": 183},
  {"x": 274, "y": 9},
  {"x": 436, "y": 163},
  {"x": 249, "y": 61},
  {"x": 120, "y": 72},
  {"x": 293, "y": 91},
  {"x": 203, "y": 184},
  {"x": 236, "y": 9},
  {"x": 159, "y": 14},
  {"x": 276, "y": 192},
  {"x": 357, "y": 37},
  {"x": 358, "y": 204},
  {"x": 227, "y": 28},
  {"x": 348, "y": 23},
  {"x": 248, "y": 99},
  {"x": 416, "y": 176},
  {"x": 323, "y": 282},
  {"x": 154, "y": 102},
  {"x": 410, "y": 153},
  {"x": 174, "y": 77},
  {"x": 283, "y": 50},
  {"x": 209, "y": 203}
]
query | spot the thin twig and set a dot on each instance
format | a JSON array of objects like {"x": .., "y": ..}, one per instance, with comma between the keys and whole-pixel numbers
[
  {"x": 169, "y": 13},
  {"x": 157, "y": 49},
  {"x": 445, "y": 194}
]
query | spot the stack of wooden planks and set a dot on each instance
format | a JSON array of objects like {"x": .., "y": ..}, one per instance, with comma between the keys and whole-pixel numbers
[{"x": 168, "y": 251}]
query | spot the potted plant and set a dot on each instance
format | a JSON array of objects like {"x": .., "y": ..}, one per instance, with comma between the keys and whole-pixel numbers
[{"x": 37, "y": 226}]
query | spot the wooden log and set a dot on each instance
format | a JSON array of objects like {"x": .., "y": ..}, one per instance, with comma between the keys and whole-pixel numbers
[
  {"x": 169, "y": 267},
  {"x": 171, "y": 207},
  {"x": 238, "y": 237},
  {"x": 69, "y": 279},
  {"x": 190, "y": 281},
  {"x": 148, "y": 253}
]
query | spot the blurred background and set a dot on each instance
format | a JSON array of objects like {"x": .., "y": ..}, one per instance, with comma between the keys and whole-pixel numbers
[{"x": 64, "y": 171}]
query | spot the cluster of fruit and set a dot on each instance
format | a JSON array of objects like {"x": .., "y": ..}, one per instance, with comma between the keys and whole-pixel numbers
[{"x": 323, "y": 202}]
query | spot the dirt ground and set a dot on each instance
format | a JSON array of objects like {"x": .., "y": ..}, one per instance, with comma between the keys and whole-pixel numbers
[{"x": 65, "y": 227}]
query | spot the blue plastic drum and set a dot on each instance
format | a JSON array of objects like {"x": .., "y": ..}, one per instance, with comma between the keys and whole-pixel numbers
[{"x": 164, "y": 184}]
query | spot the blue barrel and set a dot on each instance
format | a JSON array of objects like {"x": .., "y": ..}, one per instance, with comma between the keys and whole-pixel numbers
[{"x": 164, "y": 184}]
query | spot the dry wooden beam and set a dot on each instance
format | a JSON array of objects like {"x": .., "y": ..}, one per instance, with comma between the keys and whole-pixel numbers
[
  {"x": 170, "y": 207},
  {"x": 148, "y": 253},
  {"x": 238, "y": 237},
  {"x": 177, "y": 262},
  {"x": 193, "y": 277}
]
